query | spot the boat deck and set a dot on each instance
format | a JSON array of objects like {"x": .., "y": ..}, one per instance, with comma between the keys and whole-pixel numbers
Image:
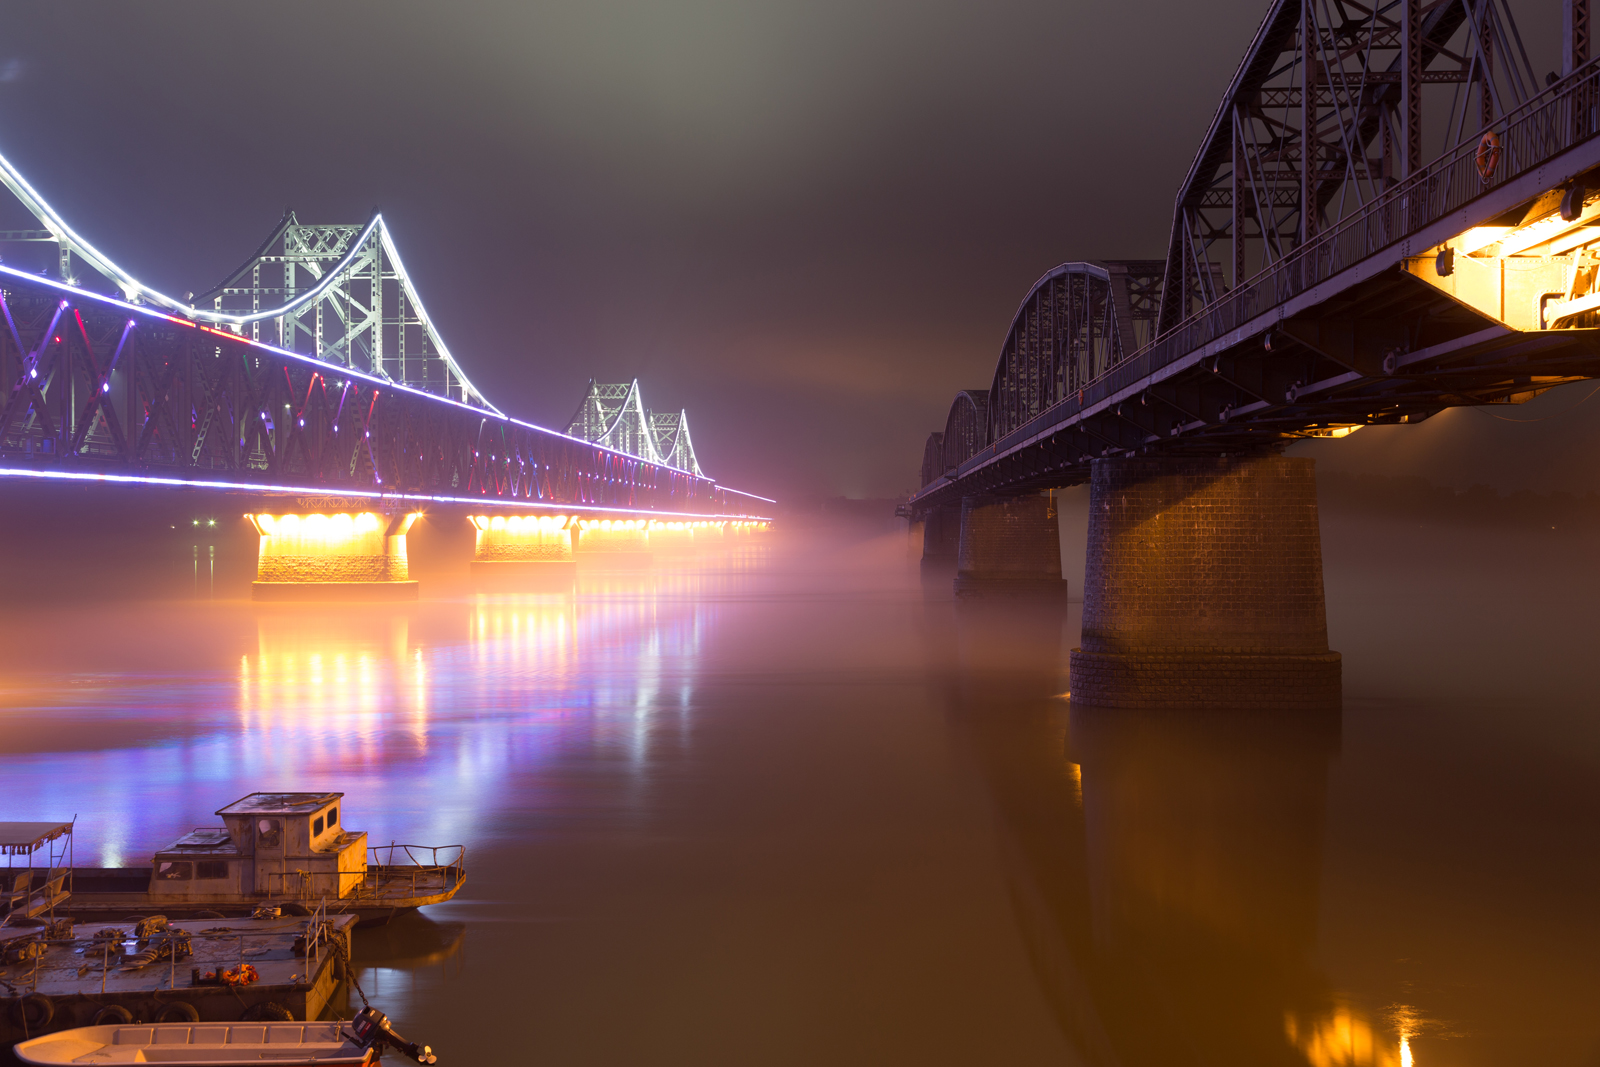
[{"x": 79, "y": 982}]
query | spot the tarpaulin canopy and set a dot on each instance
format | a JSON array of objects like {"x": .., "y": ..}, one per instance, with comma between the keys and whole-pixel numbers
[{"x": 23, "y": 838}]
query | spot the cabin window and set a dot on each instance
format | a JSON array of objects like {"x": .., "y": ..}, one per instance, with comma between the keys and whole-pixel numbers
[
  {"x": 211, "y": 869},
  {"x": 333, "y": 817},
  {"x": 269, "y": 833},
  {"x": 316, "y": 827},
  {"x": 175, "y": 870}
]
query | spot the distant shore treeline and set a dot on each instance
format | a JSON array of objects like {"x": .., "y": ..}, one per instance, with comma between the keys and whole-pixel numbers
[{"x": 1413, "y": 497}]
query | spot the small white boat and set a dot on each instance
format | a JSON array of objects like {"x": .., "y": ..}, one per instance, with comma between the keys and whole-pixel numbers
[{"x": 225, "y": 1044}]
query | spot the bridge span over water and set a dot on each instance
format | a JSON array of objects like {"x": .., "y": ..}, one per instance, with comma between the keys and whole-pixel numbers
[
  {"x": 314, "y": 368},
  {"x": 312, "y": 385},
  {"x": 1392, "y": 212}
]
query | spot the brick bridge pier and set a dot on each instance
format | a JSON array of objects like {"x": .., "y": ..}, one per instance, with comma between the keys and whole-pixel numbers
[{"x": 1203, "y": 587}]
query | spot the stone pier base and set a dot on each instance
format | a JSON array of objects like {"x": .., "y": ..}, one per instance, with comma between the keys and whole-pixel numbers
[
  {"x": 1204, "y": 587},
  {"x": 523, "y": 552},
  {"x": 342, "y": 556},
  {"x": 1009, "y": 546}
]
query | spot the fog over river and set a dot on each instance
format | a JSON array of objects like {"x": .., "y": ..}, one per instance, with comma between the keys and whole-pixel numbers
[{"x": 794, "y": 805}]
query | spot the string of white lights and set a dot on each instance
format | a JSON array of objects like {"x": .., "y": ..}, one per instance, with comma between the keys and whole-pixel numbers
[{"x": 136, "y": 291}]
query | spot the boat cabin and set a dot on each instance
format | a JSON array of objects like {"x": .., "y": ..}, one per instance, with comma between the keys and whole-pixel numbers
[{"x": 289, "y": 846}]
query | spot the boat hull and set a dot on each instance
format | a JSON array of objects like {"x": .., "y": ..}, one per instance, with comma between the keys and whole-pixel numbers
[
  {"x": 116, "y": 893},
  {"x": 199, "y": 1045}
]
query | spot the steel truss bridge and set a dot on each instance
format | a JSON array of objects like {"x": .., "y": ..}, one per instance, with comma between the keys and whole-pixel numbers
[
  {"x": 312, "y": 368},
  {"x": 1321, "y": 273},
  {"x": 614, "y": 415}
]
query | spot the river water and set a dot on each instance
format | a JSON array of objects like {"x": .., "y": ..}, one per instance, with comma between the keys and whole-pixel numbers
[{"x": 793, "y": 805}]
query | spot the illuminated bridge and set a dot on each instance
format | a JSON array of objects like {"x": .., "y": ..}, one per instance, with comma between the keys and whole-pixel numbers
[
  {"x": 1391, "y": 213},
  {"x": 312, "y": 368},
  {"x": 312, "y": 386}
]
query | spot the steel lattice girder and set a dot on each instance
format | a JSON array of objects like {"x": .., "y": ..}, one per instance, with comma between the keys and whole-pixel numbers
[
  {"x": 1324, "y": 85},
  {"x": 369, "y": 317},
  {"x": 109, "y": 387}
]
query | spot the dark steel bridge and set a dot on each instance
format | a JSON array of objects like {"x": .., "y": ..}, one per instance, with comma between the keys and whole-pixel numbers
[
  {"x": 312, "y": 369},
  {"x": 1323, "y": 272}
]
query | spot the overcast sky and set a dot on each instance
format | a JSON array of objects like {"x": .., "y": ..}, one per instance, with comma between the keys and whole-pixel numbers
[{"x": 808, "y": 222}]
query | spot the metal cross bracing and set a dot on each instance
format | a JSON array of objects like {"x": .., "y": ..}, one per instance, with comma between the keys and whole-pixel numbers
[
  {"x": 369, "y": 318},
  {"x": 99, "y": 385},
  {"x": 1325, "y": 114},
  {"x": 613, "y": 414},
  {"x": 1409, "y": 287},
  {"x": 328, "y": 377},
  {"x": 94, "y": 385}
]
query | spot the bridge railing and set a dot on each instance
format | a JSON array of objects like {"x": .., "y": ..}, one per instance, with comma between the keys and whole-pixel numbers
[{"x": 1564, "y": 115}]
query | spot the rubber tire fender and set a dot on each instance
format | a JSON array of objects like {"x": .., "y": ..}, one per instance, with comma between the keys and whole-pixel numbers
[
  {"x": 178, "y": 1011},
  {"x": 33, "y": 1012},
  {"x": 295, "y": 908},
  {"x": 112, "y": 1015},
  {"x": 267, "y": 1011}
]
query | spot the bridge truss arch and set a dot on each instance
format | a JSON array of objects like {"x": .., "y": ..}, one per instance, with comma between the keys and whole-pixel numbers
[
  {"x": 933, "y": 457},
  {"x": 966, "y": 429},
  {"x": 613, "y": 414},
  {"x": 338, "y": 293},
  {"x": 1065, "y": 334}
]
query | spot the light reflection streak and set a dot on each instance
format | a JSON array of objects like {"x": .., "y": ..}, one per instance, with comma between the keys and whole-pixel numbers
[
  {"x": 1344, "y": 1037},
  {"x": 425, "y": 717}
]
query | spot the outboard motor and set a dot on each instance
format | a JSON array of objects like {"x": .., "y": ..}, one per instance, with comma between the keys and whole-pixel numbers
[{"x": 372, "y": 1028}]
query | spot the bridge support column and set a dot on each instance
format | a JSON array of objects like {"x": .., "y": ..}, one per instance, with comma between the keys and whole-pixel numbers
[
  {"x": 1204, "y": 586},
  {"x": 333, "y": 557},
  {"x": 941, "y": 537},
  {"x": 1009, "y": 545},
  {"x": 523, "y": 552},
  {"x": 613, "y": 543}
]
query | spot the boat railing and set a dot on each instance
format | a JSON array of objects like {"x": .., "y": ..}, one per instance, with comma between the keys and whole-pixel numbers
[
  {"x": 302, "y": 885},
  {"x": 418, "y": 865}
]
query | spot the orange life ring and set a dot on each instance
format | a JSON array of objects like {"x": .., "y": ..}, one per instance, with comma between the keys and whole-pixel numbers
[{"x": 1488, "y": 155}]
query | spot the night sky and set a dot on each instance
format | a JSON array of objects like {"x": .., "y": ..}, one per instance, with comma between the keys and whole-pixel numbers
[{"x": 808, "y": 223}]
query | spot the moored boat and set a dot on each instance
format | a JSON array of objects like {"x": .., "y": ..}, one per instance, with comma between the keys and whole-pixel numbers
[
  {"x": 226, "y": 1044},
  {"x": 285, "y": 850},
  {"x": 61, "y": 977}
]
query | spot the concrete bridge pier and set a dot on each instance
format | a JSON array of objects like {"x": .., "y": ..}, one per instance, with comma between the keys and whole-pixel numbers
[
  {"x": 1009, "y": 546},
  {"x": 1204, "y": 586},
  {"x": 359, "y": 556},
  {"x": 530, "y": 552}
]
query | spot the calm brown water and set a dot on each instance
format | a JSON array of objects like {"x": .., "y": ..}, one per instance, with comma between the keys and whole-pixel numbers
[{"x": 797, "y": 808}]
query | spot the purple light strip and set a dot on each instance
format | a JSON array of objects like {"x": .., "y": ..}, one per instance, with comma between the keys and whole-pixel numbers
[
  {"x": 349, "y": 372},
  {"x": 294, "y": 490}
]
